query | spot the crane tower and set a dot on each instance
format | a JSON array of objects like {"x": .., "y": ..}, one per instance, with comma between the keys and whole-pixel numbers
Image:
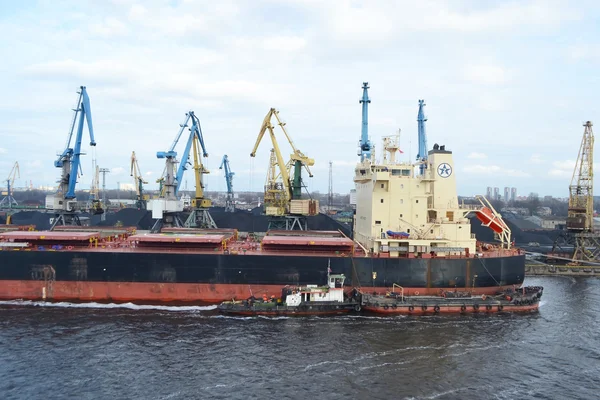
[{"x": 9, "y": 201}]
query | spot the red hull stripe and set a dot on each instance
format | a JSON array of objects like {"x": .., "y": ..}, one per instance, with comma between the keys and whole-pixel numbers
[{"x": 157, "y": 293}]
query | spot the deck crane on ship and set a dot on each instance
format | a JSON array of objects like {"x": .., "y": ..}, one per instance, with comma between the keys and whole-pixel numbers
[
  {"x": 139, "y": 182},
  {"x": 167, "y": 208},
  {"x": 64, "y": 203},
  {"x": 9, "y": 201},
  {"x": 283, "y": 202},
  {"x": 229, "y": 201}
]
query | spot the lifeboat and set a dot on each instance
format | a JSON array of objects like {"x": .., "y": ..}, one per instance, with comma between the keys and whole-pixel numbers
[{"x": 487, "y": 218}]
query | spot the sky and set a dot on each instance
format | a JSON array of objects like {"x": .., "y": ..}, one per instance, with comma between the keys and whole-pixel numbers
[{"x": 507, "y": 84}]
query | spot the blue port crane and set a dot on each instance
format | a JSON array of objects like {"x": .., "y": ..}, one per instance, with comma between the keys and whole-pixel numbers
[
  {"x": 365, "y": 146},
  {"x": 9, "y": 201},
  {"x": 422, "y": 154},
  {"x": 229, "y": 203},
  {"x": 167, "y": 209},
  {"x": 63, "y": 202}
]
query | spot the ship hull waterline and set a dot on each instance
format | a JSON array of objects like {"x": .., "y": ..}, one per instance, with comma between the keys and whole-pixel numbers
[{"x": 142, "y": 278}]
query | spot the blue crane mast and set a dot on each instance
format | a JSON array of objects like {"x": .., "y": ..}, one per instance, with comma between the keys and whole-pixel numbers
[
  {"x": 229, "y": 204},
  {"x": 167, "y": 209},
  {"x": 64, "y": 202},
  {"x": 422, "y": 154},
  {"x": 365, "y": 144}
]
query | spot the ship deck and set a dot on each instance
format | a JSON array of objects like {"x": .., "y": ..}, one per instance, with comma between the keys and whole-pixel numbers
[{"x": 202, "y": 243}]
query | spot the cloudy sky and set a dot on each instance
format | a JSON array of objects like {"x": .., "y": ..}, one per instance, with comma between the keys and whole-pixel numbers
[{"x": 507, "y": 84}]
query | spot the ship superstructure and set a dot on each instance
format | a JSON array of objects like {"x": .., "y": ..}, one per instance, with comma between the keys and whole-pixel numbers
[{"x": 401, "y": 212}]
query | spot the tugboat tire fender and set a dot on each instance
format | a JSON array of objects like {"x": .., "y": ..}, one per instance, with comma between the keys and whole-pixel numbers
[
  {"x": 424, "y": 308},
  {"x": 500, "y": 307},
  {"x": 475, "y": 307},
  {"x": 436, "y": 308},
  {"x": 386, "y": 307},
  {"x": 463, "y": 308},
  {"x": 394, "y": 306},
  {"x": 488, "y": 307},
  {"x": 417, "y": 293},
  {"x": 411, "y": 308},
  {"x": 357, "y": 308}
]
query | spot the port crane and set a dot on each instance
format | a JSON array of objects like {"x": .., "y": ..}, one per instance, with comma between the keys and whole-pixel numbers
[
  {"x": 63, "y": 203},
  {"x": 580, "y": 234},
  {"x": 423, "y": 152},
  {"x": 229, "y": 202},
  {"x": 139, "y": 182},
  {"x": 9, "y": 201},
  {"x": 283, "y": 190},
  {"x": 167, "y": 207},
  {"x": 94, "y": 204}
]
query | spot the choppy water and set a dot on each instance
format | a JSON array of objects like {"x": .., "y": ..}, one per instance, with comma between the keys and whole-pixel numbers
[{"x": 67, "y": 351}]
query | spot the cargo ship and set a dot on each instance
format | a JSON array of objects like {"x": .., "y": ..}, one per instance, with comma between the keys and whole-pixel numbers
[{"x": 409, "y": 230}]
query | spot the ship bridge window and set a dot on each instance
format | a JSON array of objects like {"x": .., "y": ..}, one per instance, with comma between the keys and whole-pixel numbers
[
  {"x": 406, "y": 172},
  {"x": 377, "y": 222},
  {"x": 416, "y": 201},
  {"x": 382, "y": 185},
  {"x": 382, "y": 200}
]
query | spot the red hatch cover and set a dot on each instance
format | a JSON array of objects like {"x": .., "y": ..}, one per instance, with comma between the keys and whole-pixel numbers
[
  {"x": 158, "y": 238},
  {"x": 307, "y": 241},
  {"x": 49, "y": 235}
]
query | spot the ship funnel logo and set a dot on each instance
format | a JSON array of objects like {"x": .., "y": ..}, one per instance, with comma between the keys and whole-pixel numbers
[{"x": 444, "y": 170}]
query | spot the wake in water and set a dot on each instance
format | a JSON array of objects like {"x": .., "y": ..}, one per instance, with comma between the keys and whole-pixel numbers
[{"x": 128, "y": 306}]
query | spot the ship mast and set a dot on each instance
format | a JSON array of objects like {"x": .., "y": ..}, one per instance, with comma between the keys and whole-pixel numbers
[{"x": 422, "y": 154}]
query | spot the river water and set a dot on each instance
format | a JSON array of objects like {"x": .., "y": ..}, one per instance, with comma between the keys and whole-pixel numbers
[{"x": 67, "y": 351}]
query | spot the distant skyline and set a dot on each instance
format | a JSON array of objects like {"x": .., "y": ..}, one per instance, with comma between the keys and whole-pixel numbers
[{"x": 507, "y": 85}]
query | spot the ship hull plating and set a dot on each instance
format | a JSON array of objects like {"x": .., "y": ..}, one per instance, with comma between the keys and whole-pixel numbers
[{"x": 212, "y": 278}]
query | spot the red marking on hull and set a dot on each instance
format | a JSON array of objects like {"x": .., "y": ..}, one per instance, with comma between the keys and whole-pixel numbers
[
  {"x": 404, "y": 310},
  {"x": 160, "y": 293}
]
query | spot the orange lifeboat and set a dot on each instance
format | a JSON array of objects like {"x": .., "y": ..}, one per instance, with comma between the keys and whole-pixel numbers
[{"x": 487, "y": 218}]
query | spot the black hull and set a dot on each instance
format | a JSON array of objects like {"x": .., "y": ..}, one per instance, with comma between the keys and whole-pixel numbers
[{"x": 84, "y": 266}]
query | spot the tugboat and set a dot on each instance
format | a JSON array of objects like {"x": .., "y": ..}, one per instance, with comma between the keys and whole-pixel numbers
[
  {"x": 299, "y": 301},
  {"x": 454, "y": 302}
]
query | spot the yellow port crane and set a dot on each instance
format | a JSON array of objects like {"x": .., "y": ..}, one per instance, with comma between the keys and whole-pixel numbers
[
  {"x": 139, "y": 182},
  {"x": 9, "y": 201},
  {"x": 580, "y": 218},
  {"x": 581, "y": 196},
  {"x": 283, "y": 190}
]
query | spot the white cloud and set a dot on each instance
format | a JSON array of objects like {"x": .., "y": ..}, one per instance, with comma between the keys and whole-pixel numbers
[
  {"x": 149, "y": 173},
  {"x": 110, "y": 27},
  {"x": 117, "y": 170},
  {"x": 476, "y": 156},
  {"x": 536, "y": 159},
  {"x": 485, "y": 74},
  {"x": 284, "y": 43},
  {"x": 495, "y": 170},
  {"x": 3, "y": 150}
]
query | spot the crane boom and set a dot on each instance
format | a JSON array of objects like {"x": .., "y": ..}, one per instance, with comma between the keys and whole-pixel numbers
[
  {"x": 283, "y": 169},
  {"x": 581, "y": 200},
  {"x": 139, "y": 182},
  {"x": 229, "y": 205},
  {"x": 69, "y": 160}
]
